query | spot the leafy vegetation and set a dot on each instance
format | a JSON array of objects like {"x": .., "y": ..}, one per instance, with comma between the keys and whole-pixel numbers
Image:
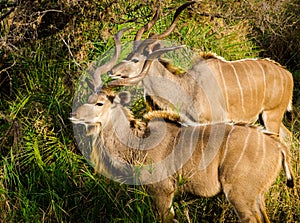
[{"x": 47, "y": 45}]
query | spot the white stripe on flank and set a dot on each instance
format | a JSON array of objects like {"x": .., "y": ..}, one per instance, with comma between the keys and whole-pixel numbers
[
  {"x": 202, "y": 148},
  {"x": 254, "y": 86},
  {"x": 240, "y": 86},
  {"x": 254, "y": 83},
  {"x": 250, "y": 85},
  {"x": 274, "y": 88},
  {"x": 244, "y": 149},
  {"x": 226, "y": 147},
  {"x": 264, "y": 76},
  {"x": 263, "y": 157},
  {"x": 282, "y": 89},
  {"x": 202, "y": 139},
  {"x": 225, "y": 86}
]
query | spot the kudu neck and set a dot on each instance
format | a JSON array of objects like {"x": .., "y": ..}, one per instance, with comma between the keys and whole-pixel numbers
[{"x": 121, "y": 130}]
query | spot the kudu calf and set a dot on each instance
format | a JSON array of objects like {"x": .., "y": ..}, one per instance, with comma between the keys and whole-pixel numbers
[
  {"x": 213, "y": 89},
  {"x": 242, "y": 161}
]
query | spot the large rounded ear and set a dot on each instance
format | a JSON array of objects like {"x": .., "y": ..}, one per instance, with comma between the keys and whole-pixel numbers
[
  {"x": 123, "y": 98},
  {"x": 92, "y": 98}
]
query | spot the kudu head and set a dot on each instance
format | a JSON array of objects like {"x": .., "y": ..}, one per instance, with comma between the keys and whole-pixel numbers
[
  {"x": 96, "y": 111},
  {"x": 131, "y": 69}
]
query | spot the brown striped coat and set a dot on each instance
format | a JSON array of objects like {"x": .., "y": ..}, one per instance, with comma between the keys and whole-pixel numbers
[
  {"x": 241, "y": 161},
  {"x": 214, "y": 89}
]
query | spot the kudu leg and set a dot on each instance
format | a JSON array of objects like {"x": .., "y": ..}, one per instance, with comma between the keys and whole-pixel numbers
[
  {"x": 249, "y": 208},
  {"x": 272, "y": 121},
  {"x": 285, "y": 135},
  {"x": 273, "y": 124},
  {"x": 163, "y": 205},
  {"x": 162, "y": 194}
]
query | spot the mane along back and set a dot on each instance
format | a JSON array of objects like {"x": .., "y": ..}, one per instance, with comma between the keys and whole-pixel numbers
[
  {"x": 170, "y": 67},
  {"x": 209, "y": 55},
  {"x": 138, "y": 127},
  {"x": 167, "y": 115}
]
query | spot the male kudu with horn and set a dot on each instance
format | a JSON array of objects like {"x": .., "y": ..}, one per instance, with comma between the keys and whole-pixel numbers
[{"x": 213, "y": 89}]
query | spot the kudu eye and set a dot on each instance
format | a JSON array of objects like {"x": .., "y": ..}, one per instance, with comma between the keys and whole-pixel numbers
[
  {"x": 135, "y": 60},
  {"x": 99, "y": 103}
]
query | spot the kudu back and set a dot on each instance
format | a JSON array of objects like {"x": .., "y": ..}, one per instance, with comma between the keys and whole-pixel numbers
[
  {"x": 240, "y": 160},
  {"x": 213, "y": 89}
]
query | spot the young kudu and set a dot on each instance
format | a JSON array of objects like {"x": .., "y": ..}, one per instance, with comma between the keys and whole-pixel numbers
[
  {"x": 240, "y": 160},
  {"x": 213, "y": 89}
]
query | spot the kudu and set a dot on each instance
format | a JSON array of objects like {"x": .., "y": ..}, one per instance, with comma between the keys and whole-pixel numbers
[
  {"x": 213, "y": 89},
  {"x": 244, "y": 164},
  {"x": 240, "y": 160}
]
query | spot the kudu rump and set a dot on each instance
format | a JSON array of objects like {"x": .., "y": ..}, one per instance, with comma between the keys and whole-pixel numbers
[
  {"x": 168, "y": 157},
  {"x": 213, "y": 89}
]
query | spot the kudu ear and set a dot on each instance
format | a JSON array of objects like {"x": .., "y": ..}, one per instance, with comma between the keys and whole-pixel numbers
[
  {"x": 123, "y": 98},
  {"x": 92, "y": 98},
  {"x": 154, "y": 45}
]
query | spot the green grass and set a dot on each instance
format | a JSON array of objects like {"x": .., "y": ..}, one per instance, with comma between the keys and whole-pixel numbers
[{"x": 43, "y": 176}]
